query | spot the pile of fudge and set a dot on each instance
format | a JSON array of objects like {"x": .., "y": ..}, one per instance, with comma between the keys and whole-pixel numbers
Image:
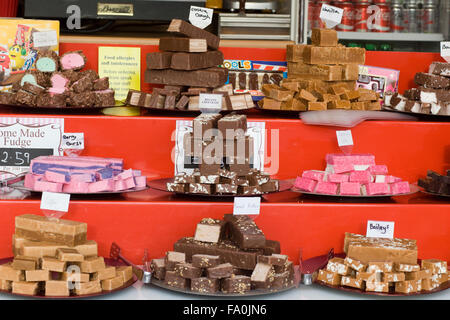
[
  {"x": 383, "y": 265},
  {"x": 59, "y": 81},
  {"x": 321, "y": 76},
  {"x": 222, "y": 154},
  {"x": 436, "y": 183},
  {"x": 432, "y": 95},
  {"x": 230, "y": 256},
  {"x": 187, "y": 66},
  {"x": 82, "y": 174},
  {"x": 351, "y": 175},
  {"x": 55, "y": 259}
]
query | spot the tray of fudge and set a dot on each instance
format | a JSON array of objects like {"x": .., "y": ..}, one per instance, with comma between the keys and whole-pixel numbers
[
  {"x": 58, "y": 82},
  {"x": 436, "y": 184},
  {"x": 226, "y": 257},
  {"x": 60, "y": 264},
  {"x": 382, "y": 266},
  {"x": 80, "y": 175},
  {"x": 352, "y": 176}
]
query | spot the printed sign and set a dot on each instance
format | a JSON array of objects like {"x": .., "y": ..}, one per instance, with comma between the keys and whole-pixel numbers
[
  {"x": 45, "y": 39},
  {"x": 445, "y": 50},
  {"x": 247, "y": 205},
  {"x": 200, "y": 17},
  {"x": 331, "y": 16},
  {"x": 380, "y": 229},
  {"x": 55, "y": 201},
  {"x": 210, "y": 103},
  {"x": 73, "y": 141}
]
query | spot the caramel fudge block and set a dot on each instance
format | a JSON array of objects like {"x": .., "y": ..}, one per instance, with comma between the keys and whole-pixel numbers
[
  {"x": 92, "y": 264},
  {"x": 378, "y": 286},
  {"x": 244, "y": 232},
  {"x": 220, "y": 271},
  {"x": 352, "y": 282},
  {"x": 337, "y": 265},
  {"x": 355, "y": 264},
  {"x": 29, "y": 288},
  {"x": 339, "y": 104},
  {"x": 173, "y": 258},
  {"x": 5, "y": 285},
  {"x": 324, "y": 37},
  {"x": 90, "y": 287},
  {"x": 205, "y": 261},
  {"x": 382, "y": 266},
  {"x": 262, "y": 276},
  {"x": 393, "y": 276},
  {"x": 436, "y": 266},
  {"x": 419, "y": 275},
  {"x": 8, "y": 273},
  {"x": 75, "y": 277},
  {"x": 440, "y": 278},
  {"x": 40, "y": 249},
  {"x": 104, "y": 274},
  {"x": 294, "y": 52},
  {"x": 52, "y": 264},
  {"x": 174, "y": 280},
  {"x": 370, "y": 276},
  {"x": 428, "y": 284},
  {"x": 209, "y": 230},
  {"x": 236, "y": 284},
  {"x": 205, "y": 285},
  {"x": 158, "y": 267},
  {"x": 403, "y": 267},
  {"x": 328, "y": 277},
  {"x": 39, "y": 228},
  {"x": 68, "y": 254},
  {"x": 333, "y": 55},
  {"x": 274, "y": 259},
  {"x": 271, "y": 104},
  {"x": 112, "y": 283},
  {"x": 276, "y": 92},
  {"x": 187, "y": 270},
  {"x": 317, "y": 106},
  {"x": 126, "y": 272},
  {"x": 54, "y": 288},
  {"x": 409, "y": 286},
  {"x": 25, "y": 263},
  {"x": 37, "y": 275}
]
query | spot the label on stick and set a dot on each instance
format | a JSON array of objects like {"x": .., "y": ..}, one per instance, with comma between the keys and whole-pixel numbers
[
  {"x": 55, "y": 201},
  {"x": 380, "y": 229},
  {"x": 73, "y": 141},
  {"x": 331, "y": 16},
  {"x": 345, "y": 141},
  {"x": 210, "y": 103},
  {"x": 247, "y": 205},
  {"x": 200, "y": 17},
  {"x": 445, "y": 50}
]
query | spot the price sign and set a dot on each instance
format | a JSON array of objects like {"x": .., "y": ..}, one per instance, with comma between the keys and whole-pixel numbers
[
  {"x": 445, "y": 50},
  {"x": 20, "y": 157},
  {"x": 380, "y": 229},
  {"x": 200, "y": 17},
  {"x": 344, "y": 138},
  {"x": 247, "y": 205},
  {"x": 210, "y": 103},
  {"x": 331, "y": 16},
  {"x": 73, "y": 141}
]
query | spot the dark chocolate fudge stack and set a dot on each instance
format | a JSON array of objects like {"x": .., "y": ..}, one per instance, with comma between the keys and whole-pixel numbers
[
  {"x": 59, "y": 81},
  {"x": 222, "y": 154},
  {"x": 230, "y": 255},
  {"x": 432, "y": 95},
  {"x": 187, "y": 65},
  {"x": 436, "y": 183}
]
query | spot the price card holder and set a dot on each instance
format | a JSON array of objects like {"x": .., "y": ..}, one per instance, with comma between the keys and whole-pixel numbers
[
  {"x": 380, "y": 229},
  {"x": 73, "y": 144},
  {"x": 200, "y": 17},
  {"x": 445, "y": 50},
  {"x": 331, "y": 16},
  {"x": 210, "y": 103},
  {"x": 54, "y": 205},
  {"x": 250, "y": 206},
  {"x": 345, "y": 141}
]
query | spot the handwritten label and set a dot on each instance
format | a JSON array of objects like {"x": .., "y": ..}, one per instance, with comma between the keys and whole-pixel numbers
[
  {"x": 200, "y": 17},
  {"x": 445, "y": 50},
  {"x": 45, "y": 39},
  {"x": 55, "y": 201},
  {"x": 331, "y": 16},
  {"x": 380, "y": 229},
  {"x": 344, "y": 138},
  {"x": 73, "y": 141},
  {"x": 209, "y": 102},
  {"x": 246, "y": 205}
]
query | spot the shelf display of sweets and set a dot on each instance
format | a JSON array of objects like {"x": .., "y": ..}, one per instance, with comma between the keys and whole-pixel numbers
[
  {"x": 187, "y": 66},
  {"x": 54, "y": 258},
  {"x": 222, "y": 154},
  {"x": 230, "y": 256},
  {"x": 383, "y": 265},
  {"x": 436, "y": 183},
  {"x": 321, "y": 76},
  {"x": 432, "y": 95},
  {"x": 59, "y": 81},
  {"x": 83, "y": 174},
  {"x": 351, "y": 175}
]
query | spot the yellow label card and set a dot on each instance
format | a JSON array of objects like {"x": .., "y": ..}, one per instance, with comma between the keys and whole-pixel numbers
[{"x": 123, "y": 67}]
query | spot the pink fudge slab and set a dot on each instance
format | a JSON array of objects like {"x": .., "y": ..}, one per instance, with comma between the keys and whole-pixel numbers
[
  {"x": 354, "y": 159},
  {"x": 350, "y": 189},
  {"x": 337, "y": 178},
  {"x": 305, "y": 184},
  {"x": 361, "y": 167},
  {"x": 125, "y": 174},
  {"x": 326, "y": 187},
  {"x": 119, "y": 185},
  {"x": 30, "y": 179},
  {"x": 76, "y": 187},
  {"x": 377, "y": 188},
  {"x": 102, "y": 186},
  {"x": 129, "y": 183},
  {"x": 386, "y": 179},
  {"x": 314, "y": 175},
  {"x": 378, "y": 169},
  {"x": 360, "y": 176},
  {"x": 83, "y": 177},
  {"x": 400, "y": 187},
  {"x": 141, "y": 181},
  {"x": 56, "y": 177},
  {"x": 342, "y": 168},
  {"x": 42, "y": 186}
]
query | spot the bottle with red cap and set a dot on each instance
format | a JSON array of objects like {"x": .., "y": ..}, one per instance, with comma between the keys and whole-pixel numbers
[
  {"x": 361, "y": 15},
  {"x": 347, "y": 23},
  {"x": 382, "y": 21}
]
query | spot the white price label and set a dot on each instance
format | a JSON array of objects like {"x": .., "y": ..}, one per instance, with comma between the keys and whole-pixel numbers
[
  {"x": 209, "y": 102},
  {"x": 200, "y": 17},
  {"x": 344, "y": 138},
  {"x": 45, "y": 39},
  {"x": 331, "y": 16},
  {"x": 445, "y": 50},
  {"x": 247, "y": 205},
  {"x": 380, "y": 229},
  {"x": 73, "y": 141},
  {"x": 55, "y": 201}
]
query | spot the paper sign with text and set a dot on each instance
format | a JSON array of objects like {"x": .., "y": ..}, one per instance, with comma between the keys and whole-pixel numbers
[
  {"x": 246, "y": 205},
  {"x": 200, "y": 17},
  {"x": 45, "y": 38},
  {"x": 331, "y": 16},
  {"x": 55, "y": 201},
  {"x": 344, "y": 138},
  {"x": 380, "y": 229},
  {"x": 445, "y": 50},
  {"x": 209, "y": 102},
  {"x": 73, "y": 141},
  {"x": 122, "y": 66}
]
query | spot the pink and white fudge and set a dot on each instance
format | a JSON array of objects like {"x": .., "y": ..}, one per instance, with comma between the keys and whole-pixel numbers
[
  {"x": 377, "y": 188},
  {"x": 350, "y": 189},
  {"x": 378, "y": 169},
  {"x": 305, "y": 184},
  {"x": 360, "y": 176},
  {"x": 337, "y": 178},
  {"x": 314, "y": 175},
  {"x": 326, "y": 187},
  {"x": 400, "y": 187},
  {"x": 353, "y": 159}
]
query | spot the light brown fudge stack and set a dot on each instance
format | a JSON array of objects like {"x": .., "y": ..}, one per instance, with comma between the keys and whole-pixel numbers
[
  {"x": 383, "y": 265},
  {"x": 54, "y": 257},
  {"x": 321, "y": 76}
]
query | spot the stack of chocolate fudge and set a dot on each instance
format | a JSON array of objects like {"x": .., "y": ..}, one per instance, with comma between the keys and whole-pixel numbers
[
  {"x": 436, "y": 183},
  {"x": 59, "y": 81},
  {"x": 432, "y": 95},
  {"x": 187, "y": 65},
  {"x": 321, "y": 76},
  {"x": 222, "y": 154},
  {"x": 54, "y": 258},
  {"x": 383, "y": 265},
  {"x": 230, "y": 255}
]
